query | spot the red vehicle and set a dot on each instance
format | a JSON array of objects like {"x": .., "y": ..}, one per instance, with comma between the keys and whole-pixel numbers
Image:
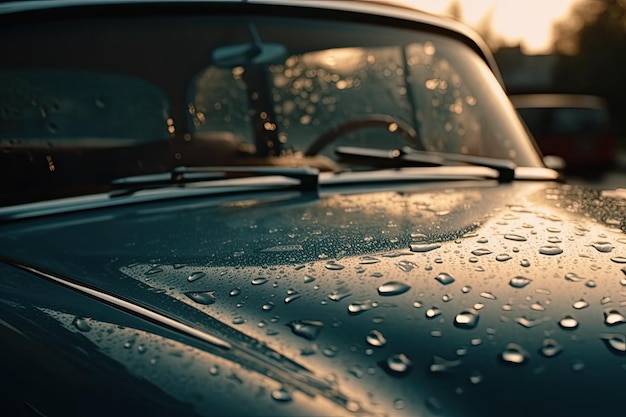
[{"x": 575, "y": 127}]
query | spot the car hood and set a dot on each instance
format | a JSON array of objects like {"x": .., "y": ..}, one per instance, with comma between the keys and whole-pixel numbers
[{"x": 457, "y": 299}]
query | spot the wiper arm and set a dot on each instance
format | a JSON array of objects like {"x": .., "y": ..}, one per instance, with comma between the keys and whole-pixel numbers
[
  {"x": 408, "y": 157},
  {"x": 180, "y": 176}
]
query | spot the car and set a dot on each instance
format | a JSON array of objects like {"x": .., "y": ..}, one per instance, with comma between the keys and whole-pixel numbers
[
  {"x": 575, "y": 127},
  {"x": 289, "y": 208}
]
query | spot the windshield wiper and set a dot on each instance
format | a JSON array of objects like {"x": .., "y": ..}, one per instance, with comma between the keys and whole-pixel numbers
[
  {"x": 180, "y": 176},
  {"x": 408, "y": 157}
]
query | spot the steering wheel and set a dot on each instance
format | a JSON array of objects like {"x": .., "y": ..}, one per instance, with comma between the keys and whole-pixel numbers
[{"x": 371, "y": 120}]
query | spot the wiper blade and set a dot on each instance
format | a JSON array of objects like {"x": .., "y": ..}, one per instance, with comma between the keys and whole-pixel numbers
[
  {"x": 408, "y": 157},
  {"x": 180, "y": 176}
]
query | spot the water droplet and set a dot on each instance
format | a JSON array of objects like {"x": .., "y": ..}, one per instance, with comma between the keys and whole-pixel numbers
[
  {"x": 196, "y": 276},
  {"x": 537, "y": 306},
  {"x": 268, "y": 306},
  {"x": 439, "y": 364},
  {"x": 81, "y": 324},
  {"x": 368, "y": 260},
  {"x": 619, "y": 259},
  {"x": 590, "y": 284},
  {"x": 417, "y": 304},
  {"x": 281, "y": 394},
  {"x": 613, "y": 317},
  {"x": 360, "y": 307},
  {"x": 444, "y": 278},
  {"x": 606, "y": 300},
  {"x": 615, "y": 342},
  {"x": 525, "y": 263},
  {"x": 572, "y": 277},
  {"x": 488, "y": 295},
  {"x": 476, "y": 377},
  {"x": 234, "y": 292},
  {"x": 482, "y": 240},
  {"x": 514, "y": 354},
  {"x": 399, "y": 404},
  {"x": 476, "y": 341},
  {"x": 259, "y": 281},
  {"x": 432, "y": 312},
  {"x": 447, "y": 298},
  {"x": 205, "y": 297},
  {"x": 466, "y": 289},
  {"x": 481, "y": 252},
  {"x": 308, "y": 329},
  {"x": 406, "y": 266},
  {"x": 554, "y": 239},
  {"x": 339, "y": 294},
  {"x": 424, "y": 247},
  {"x": 553, "y": 230},
  {"x": 397, "y": 364},
  {"x": 516, "y": 238},
  {"x": 604, "y": 247},
  {"x": 578, "y": 366},
  {"x": 467, "y": 319},
  {"x": 376, "y": 338},
  {"x": 154, "y": 270},
  {"x": 550, "y": 348},
  {"x": 308, "y": 279},
  {"x": 528, "y": 323},
  {"x": 393, "y": 288},
  {"x": 568, "y": 323},
  {"x": 292, "y": 297},
  {"x": 503, "y": 257},
  {"x": 519, "y": 282},
  {"x": 550, "y": 250},
  {"x": 333, "y": 266}
]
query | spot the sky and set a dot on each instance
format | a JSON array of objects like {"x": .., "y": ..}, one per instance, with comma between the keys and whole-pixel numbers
[{"x": 525, "y": 22}]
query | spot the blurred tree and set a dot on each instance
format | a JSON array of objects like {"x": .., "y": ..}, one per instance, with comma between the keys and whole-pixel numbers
[{"x": 591, "y": 42}]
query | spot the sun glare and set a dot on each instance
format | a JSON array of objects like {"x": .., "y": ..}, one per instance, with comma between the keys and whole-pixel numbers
[{"x": 527, "y": 23}]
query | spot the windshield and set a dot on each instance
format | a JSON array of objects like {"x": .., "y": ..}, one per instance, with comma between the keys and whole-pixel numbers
[{"x": 86, "y": 101}]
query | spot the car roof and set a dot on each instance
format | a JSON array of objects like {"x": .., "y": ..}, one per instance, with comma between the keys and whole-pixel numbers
[
  {"x": 558, "y": 100},
  {"x": 405, "y": 15}
]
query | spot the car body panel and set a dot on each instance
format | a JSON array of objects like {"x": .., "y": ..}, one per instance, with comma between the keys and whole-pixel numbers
[{"x": 323, "y": 306}]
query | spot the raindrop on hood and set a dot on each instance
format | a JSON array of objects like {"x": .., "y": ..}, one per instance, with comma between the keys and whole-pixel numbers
[
  {"x": 206, "y": 297},
  {"x": 514, "y": 354},
  {"x": 397, "y": 364},
  {"x": 519, "y": 282},
  {"x": 445, "y": 278},
  {"x": 550, "y": 250},
  {"x": 615, "y": 342},
  {"x": 424, "y": 247},
  {"x": 281, "y": 394},
  {"x": 81, "y": 324},
  {"x": 467, "y": 319},
  {"x": 393, "y": 288},
  {"x": 196, "y": 276},
  {"x": 308, "y": 329},
  {"x": 376, "y": 338},
  {"x": 613, "y": 317},
  {"x": 514, "y": 237},
  {"x": 550, "y": 348}
]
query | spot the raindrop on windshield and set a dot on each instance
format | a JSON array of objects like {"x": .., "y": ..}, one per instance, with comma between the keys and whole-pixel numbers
[
  {"x": 432, "y": 312},
  {"x": 568, "y": 323},
  {"x": 281, "y": 394},
  {"x": 393, "y": 288},
  {"x": 292, "y": 297},
  {"x": 196, "y": 276},
  {"x": 603, "y": 247},
  {"x": 333, "y": 266},
  {"x": 467, "y": 319},
  {"x": 550, "y": 250},
  {"x": 516, "y": 238},
  {"x": 615, "y": 342},
  {"x": 205, "y": 297},
  {"x": 550, "y": 348},
  {"x": 572, "y": 277},
  {"x": 439, "y": 364},
  {"x": 81, "y": 324},
  {"x": 519, "y": 282},
  {"x": 613, "y": 317},
  {"x": 488, "y": 295},
  {"x": 514, "y": 354},
  {"x": 308, "y": 329},
  {"x": 445, "y": 278},
  {"x": 397, "y": 364},
  {"x": 376, "y": 338},
  {"x": 424, "y": 247}
]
